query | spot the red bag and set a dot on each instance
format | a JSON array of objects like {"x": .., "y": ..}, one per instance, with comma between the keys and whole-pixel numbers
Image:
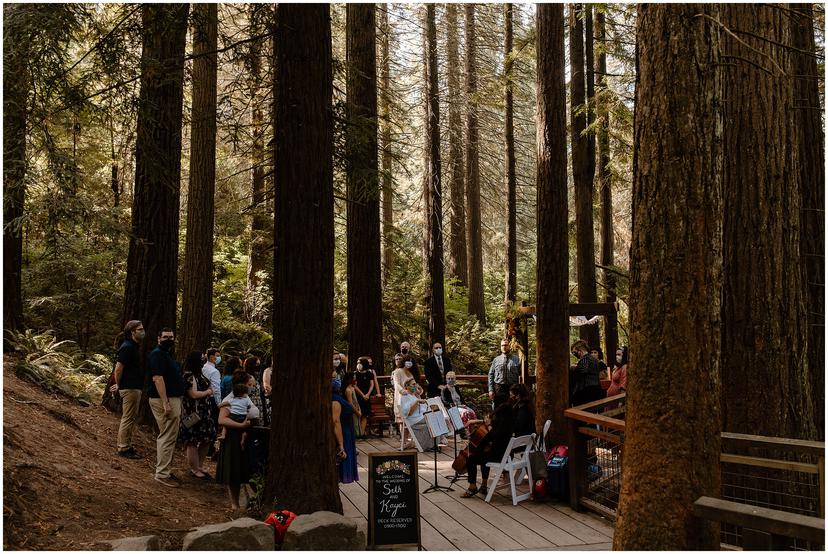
[
  {"x": 280, "y": 521},
  {"x": 561, "y": 451}
]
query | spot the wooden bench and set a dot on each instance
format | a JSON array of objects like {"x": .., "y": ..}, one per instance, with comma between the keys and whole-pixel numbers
[
  {"x": 379, "y": 417},
  {"x": 761, "y": 527}
]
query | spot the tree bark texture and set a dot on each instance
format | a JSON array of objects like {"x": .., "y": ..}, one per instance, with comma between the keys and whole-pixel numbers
[
  {"x": 605, "y": 181},
  {"x": 435, "y": 294},
  {"x": 589, "y": 49},
  {"x": 474, "y": 239},
  {"x": 585, "y": 239},
  {"x": 16, "y": 86},
  {"x": 812, "y": 174},
  {"x": 387, "y": 159},
  {"x": 303, "y": 265},
  {"x": 197, "y": 297},
  {"x": 552, "y": 331},
  {"x": 765, "y": 377},
  {"x": 672, "y": 447},
  {"x": 458, "y": 264},
  {"x": 363, "y": 188},
  {"x": 261, "y": 224},
  {"x": 509, "y": 146},
  {"x": 152, "y": 263}
]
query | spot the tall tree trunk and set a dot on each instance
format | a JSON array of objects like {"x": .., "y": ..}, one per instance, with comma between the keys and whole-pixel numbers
[
  {"x": 474, "y": 239},
  {"x": 15, "y": 94},
  {"x": 812, "y": 174},
  {"x": 363, "y": 223},
  {"x": 585, "y": 239},
  {"x": 386, "y": 157},
  {"x": 765, "y": 377},
  {"x": 197, "y": 298},
  {"x": 458, "y": 264},
  {"x": 304, "y": 263},
  {"x": 261, "y": 226},
  {"x": 605, "y": 180},
  {"x": 552, "y": 332},
  {"x": 152, "y": 263},
  {"x": 435, "y": 294},
  {"x": 509, "y": 146},
  {"x": 676, "y": 250},
  {"x": 589, "y": 48}
]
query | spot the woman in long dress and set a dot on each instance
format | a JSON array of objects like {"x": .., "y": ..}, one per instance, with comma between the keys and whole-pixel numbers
[{"x": 343, "y": 420}]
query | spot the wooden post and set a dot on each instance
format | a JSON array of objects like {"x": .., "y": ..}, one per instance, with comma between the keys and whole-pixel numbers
[
  {"x": 611, "y": 345},
  {"x": 577, "y": 464}
]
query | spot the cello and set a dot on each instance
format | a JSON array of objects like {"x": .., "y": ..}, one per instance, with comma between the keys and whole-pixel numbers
[{"x": 475, "y": 439}]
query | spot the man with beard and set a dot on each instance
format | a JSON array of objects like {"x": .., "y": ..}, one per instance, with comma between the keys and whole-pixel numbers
[{"x": 165, "y": 394}]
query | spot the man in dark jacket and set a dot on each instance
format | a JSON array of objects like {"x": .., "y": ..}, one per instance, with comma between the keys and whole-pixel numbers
[
  {"x": 436, "y": 368},
  {"x": 165, "y": 394},
  {"x": 584, "y": 378}
]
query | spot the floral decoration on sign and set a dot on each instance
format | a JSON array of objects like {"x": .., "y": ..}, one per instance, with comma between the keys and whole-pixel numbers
[{"x": 393, "y": 465}]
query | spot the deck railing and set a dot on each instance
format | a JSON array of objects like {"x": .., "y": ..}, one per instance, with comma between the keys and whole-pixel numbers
[{"x": 766, "y": 472}]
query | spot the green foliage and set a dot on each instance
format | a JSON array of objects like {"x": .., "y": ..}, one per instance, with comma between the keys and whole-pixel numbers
[{"x": 58, "y": 366}]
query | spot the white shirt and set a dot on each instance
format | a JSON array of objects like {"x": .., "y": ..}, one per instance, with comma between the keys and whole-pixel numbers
[
  {"x": 210, "y": 371},
  {"x": 406, "y": 401},
  {"x": 241, "y": 406}
]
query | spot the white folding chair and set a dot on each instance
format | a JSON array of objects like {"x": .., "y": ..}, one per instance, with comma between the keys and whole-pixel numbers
[
  {"x": 403, "y": 428},
  {"x": 517, "y": 465}
]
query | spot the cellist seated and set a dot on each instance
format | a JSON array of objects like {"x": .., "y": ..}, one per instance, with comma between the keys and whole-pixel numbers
[{"x": 490, "y": 449}]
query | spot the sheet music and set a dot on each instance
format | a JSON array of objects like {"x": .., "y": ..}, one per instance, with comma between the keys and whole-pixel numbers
[
  {"x": 455, "y": 418},
  {"x": 436, "y": 424},
  {"x": 437, "y": 401}
]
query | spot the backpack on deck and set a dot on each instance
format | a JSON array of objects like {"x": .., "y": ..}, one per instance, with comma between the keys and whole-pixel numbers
[{"x": 557, "y": 473}]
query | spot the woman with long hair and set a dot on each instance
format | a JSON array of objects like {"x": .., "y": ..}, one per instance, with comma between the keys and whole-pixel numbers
[
  {"x": 619, "y": 373},
  {"x": 198, "y": 436}
]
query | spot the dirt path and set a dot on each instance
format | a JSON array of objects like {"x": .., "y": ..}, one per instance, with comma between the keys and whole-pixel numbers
[{"x": 64, "y": 488}]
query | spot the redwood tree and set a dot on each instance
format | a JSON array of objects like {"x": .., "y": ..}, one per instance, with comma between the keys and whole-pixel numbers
[
  {"x": 605, "y": 180},
  {"x": 474, "y": 239},
  {"x": 458, "y": 265},
  {"x": 303, "y": 265},
  {"x": 387, "y": 160},
  {"x": 363, "y": 221},
  {"x": 552, "y": 332},
  {"x": 152, "y": 263},
  {"x": 435, "y": 299},
  {"x": 509, "y": 147},
  {"x": 672, "y": 445},
  {"x": 812, "y": 174},
  {"x": 197, "y": 298},
  {"x": 15, "y": 94},
  {"x": 766, "y": 388},
  {"x": 585, "y": 239}
]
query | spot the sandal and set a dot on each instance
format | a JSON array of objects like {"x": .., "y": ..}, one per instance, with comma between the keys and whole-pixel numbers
[
  {"x": 469, "y": 493},
  {"x": 197, "y": 476}
]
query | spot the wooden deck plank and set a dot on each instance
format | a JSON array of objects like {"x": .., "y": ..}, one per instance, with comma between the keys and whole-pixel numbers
[{"x": 453, "y": 523}]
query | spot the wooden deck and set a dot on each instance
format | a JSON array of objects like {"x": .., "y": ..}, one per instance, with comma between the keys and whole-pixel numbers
[{"x": 453, "y": 523}]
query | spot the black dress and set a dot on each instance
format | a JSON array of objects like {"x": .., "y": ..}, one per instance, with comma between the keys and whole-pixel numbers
[
  {"x": 205, "y": 430},
  {"x": 363, "y": 383}
]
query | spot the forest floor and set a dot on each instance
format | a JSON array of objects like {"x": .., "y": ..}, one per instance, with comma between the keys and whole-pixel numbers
[{"x": 65, "y": 488}]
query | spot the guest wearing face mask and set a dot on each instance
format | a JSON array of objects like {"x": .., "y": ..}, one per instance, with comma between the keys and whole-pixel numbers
[
  {"x": 413, "y": 409},
  {"x": 405, "y": 350},
  {"x": 365, "y": 379},
  {"x": 398, "y": 379},
  {"x": 340, "y": 363},
  {"x": 619, "y": 373},
  {"x": 165, "y": 394},
  {"x": 452, "y": 397},
  {"x": 436, "y": 368},
  {"x": 343, "y": 422},
  {"x": 129, "y": 382}
]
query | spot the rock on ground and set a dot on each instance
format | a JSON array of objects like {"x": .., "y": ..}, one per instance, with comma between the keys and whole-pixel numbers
[
  {"x": 323, "y": 531},
  {"x": 240, "y": 534}
]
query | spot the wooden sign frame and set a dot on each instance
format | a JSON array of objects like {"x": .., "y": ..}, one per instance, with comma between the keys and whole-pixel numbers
[{"x": 373, "y": 463}]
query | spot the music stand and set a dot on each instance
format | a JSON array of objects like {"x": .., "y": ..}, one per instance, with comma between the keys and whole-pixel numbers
[{"x": 433, "y": 430}]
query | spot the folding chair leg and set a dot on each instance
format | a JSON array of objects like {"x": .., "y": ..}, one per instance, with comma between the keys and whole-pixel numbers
[
  {"x": 513, "y": 487},
  {"x": 494, "y": 484}
]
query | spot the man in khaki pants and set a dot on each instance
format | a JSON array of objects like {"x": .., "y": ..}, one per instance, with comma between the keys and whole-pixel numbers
[
  {"x": 129, "y": 382},
  {"x": 165, "y": 394}
]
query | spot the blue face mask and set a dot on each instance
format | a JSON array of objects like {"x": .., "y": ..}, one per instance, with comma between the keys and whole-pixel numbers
[{"x": 218, "y": 360}]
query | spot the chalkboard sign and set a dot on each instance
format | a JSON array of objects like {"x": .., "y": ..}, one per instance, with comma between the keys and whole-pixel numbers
[{"x": 393, "y": 499}]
